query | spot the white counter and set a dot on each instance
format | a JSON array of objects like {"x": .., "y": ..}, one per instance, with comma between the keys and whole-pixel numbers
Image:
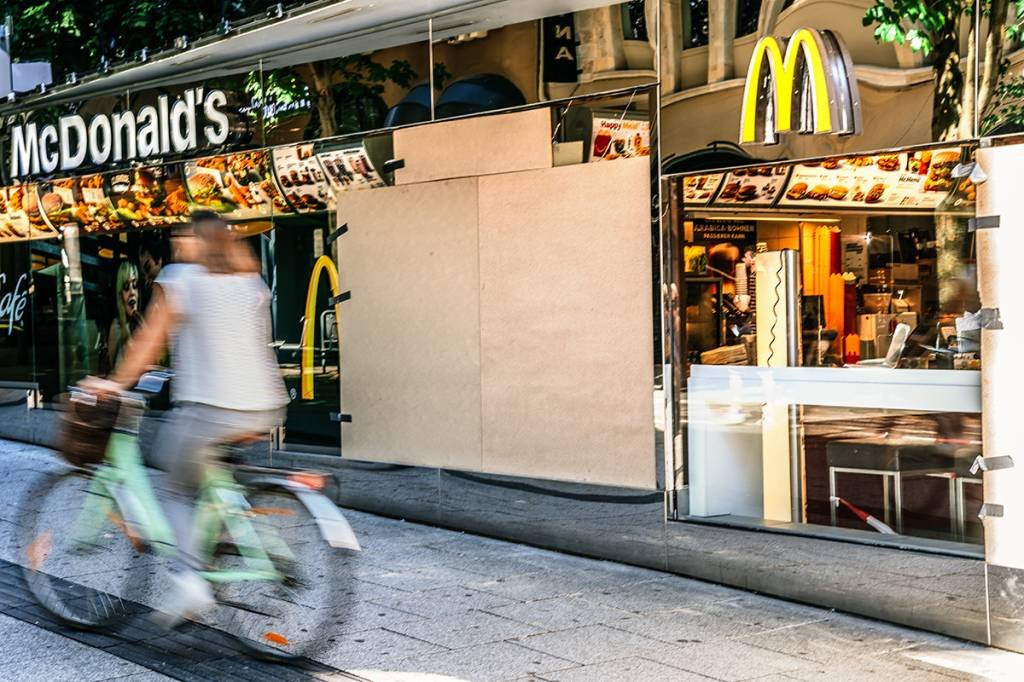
[{"x": 725, "y": 405}]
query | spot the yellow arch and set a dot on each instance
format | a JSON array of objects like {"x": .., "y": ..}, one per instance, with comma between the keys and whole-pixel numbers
[
  {"x": 323, "y": 264},
  {"x": 804, "y": 43}
]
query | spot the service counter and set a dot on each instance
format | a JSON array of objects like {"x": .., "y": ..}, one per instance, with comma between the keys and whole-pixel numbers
[{"x": 741, "y": 423}]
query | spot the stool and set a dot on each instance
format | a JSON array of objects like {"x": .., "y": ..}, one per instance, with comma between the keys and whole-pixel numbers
[{"x": 893, "y": 461}]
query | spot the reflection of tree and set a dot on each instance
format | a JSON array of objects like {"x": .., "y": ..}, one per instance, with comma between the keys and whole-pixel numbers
[{"x": 933, "y": 27}]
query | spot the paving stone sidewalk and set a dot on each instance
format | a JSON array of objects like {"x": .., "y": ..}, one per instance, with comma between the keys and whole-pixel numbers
[{"x": 435, "y": 604}]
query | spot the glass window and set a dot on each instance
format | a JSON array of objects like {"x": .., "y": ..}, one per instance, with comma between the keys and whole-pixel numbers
[
  {"x": 828, "y": 316},
  {"x": 748, "y": 13},
  {"x": 695, "y": 23},
  {"x": 634, "y": 20}
]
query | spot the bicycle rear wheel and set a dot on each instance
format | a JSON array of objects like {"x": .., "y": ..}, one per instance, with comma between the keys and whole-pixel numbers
[
  {"x": 297, "y": 615},
  {"x": 79, "y": 558}
]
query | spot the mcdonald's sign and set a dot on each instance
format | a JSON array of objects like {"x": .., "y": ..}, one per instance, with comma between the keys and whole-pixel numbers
[
  {"x": 808, "y": 87},
  {"x": 323, "y": 264}
]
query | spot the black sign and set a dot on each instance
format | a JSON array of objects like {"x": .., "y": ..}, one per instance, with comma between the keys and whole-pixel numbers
[
  {"x": 560, "y": 61},
  {"x": 15, "y": 313}
]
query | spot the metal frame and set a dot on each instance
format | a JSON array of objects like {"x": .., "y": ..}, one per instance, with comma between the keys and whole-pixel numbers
[{"x": 897, "y": 492}]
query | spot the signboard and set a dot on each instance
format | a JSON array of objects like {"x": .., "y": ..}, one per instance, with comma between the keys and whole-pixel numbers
[
  {"x": 726, "y": 243},
  {"x": 15, "y": 314},
  {"x": 198, "y": 118},
  {"x": 238, "y": 186},
  {"x": 301, "y": 178},
  {"x": 758, "y": 186},
  {"x": 619, "y": 138},
  {"x": 807, "y": 86},
  {"x": 560, "y": 60},
  {"x": 350, "y": 169},
  {"x": 907, "y": 180}
]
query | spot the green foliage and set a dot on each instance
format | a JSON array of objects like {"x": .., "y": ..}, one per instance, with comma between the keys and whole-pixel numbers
[{"x": 913, "y": 22}]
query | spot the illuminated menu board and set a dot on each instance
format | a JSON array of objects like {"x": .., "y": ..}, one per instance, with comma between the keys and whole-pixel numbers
[
  {"x": 238, "y": 186},
  {"x": 899, "y": 180},
  {"x": 350, "y": 169},
  {"x": 754, "y": 186},
  {"x": 149, "y": 197},
  {"x": 301, "y": 179},
  {"x": 19, "y": 215}
]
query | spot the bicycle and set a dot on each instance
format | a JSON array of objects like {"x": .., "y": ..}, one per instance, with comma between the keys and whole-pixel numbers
[{"x": 278, "y": 552}]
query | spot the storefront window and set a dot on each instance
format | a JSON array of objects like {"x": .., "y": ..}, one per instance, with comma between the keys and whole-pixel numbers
[
  {"x": 634, "y": 20},
  {"x": 748, "y": 14},
  {"x": 830, "y": 320},
  {"x": 695, "y": 23}
]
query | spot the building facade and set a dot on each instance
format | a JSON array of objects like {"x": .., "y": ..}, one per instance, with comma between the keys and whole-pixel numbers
[{"x": 526, "y": 283}]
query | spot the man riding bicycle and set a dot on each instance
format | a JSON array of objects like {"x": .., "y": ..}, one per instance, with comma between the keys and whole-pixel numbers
[{"x": 212, "y": 308}]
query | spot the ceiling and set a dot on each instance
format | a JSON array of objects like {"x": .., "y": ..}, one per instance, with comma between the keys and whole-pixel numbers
[{"x": 310, "y": 33}]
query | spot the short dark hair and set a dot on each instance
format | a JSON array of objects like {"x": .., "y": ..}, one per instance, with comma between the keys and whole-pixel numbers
[{"x": 203, "y": 215}]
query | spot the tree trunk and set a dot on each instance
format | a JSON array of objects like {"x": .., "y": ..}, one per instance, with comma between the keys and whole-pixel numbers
[
  {"x": 949, "y": 81},
  {"x": 991, "y": 68},
  {"x": 326, "y": 107}
]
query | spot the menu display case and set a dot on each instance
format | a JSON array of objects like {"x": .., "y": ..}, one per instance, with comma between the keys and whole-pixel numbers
[
  {"x": 80, "y": 201},
  {"x": 904, "y": 180},
  {"x": 350, "y": 169},
  {"x": 20, "y": 218},
  {"x": 149, "y": 197},
  {"x": 238, "y": 186},
  {"x": 301, "y": 179},
  {"x": 699, "y": 190},
  {"x": 755, "y": 186}
]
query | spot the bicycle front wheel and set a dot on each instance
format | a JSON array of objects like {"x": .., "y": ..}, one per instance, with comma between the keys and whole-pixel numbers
[
  {"x": 297, "y": 613},
  {"x": 80, "y": 559}
]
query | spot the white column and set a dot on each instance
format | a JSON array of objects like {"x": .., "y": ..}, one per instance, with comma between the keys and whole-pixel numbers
[
  {"x": 669, "y": 40},
  {"x": 721, "y": 32},
  {"x": 600, "y": 35},
  {"x": 999, "y": 284}
]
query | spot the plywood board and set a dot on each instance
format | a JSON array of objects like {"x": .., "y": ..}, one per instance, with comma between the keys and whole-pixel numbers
[
  {"x": 566, "y": 323},
  {"x": 484, "y": 145},
  {"x": 410, "y": 352}
]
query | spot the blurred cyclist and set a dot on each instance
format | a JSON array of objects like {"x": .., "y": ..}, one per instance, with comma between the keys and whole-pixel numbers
[{"x": 214, "y": 312}]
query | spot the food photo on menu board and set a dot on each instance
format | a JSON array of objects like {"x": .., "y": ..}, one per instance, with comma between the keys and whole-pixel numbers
[
  {"x": 350, "y": 169},
  {"x": 753, "y": 186},
  {"x": 699, "y": 189},
  {"x": 916, "y": 180},
  {"x": 149, "y": 197},
  {"x": 238, "y": 186},
  {"x": 80, "y": 201},
  {"x": 19, "y": 214},
  {"x": 302, "y": 179},
  {"x": 619, "y": 138}
]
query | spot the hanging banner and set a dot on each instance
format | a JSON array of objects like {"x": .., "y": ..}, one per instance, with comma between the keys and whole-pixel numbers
[{"x": 560, "y": 60}]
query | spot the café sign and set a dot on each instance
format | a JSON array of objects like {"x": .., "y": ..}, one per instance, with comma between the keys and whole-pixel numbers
[
  {"x": 197, "y": 118},
  {"x": 13, "y": 303},
  {"x": 808, "y": 87}
]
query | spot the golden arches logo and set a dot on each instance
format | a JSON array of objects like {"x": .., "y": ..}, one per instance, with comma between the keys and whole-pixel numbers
[
  {"x": 809, "y": 87},
  {"x": 323, "y": 264}
]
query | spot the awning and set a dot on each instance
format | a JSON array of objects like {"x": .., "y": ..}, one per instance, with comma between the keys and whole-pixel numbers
[{"x": 308, "y": 33}]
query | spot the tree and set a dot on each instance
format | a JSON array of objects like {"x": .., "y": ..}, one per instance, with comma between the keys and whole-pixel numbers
[
  {"x": 81, "y": 35},
  {"x": 933, "y": 27}
]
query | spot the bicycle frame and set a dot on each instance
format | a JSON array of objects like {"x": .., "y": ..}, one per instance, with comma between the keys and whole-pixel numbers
[{"x": 122, "y": 494}]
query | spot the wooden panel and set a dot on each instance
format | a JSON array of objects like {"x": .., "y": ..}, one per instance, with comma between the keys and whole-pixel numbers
[
  {"x": 484, "y": 145},
  {"x": 566, "y": 323},
  {"x": 410, "y": 353}
]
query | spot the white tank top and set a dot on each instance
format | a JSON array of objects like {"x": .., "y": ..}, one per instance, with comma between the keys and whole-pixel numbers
[{"x": 221, "y": 352}]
